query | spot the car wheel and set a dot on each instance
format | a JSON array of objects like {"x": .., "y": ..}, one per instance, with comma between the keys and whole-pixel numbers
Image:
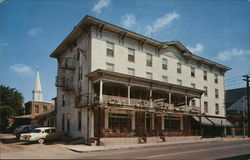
[
  {"x": 41, "y": 141},
  {"x": 18, "y": 136}
]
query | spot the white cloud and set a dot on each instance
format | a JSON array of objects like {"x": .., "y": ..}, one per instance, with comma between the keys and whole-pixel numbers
[
  {"x": 21, "y": 69},
  {"x": 198, "y": 49},
  {"x": 229, "y": 54},
  {"x": 128, "y": 20},
  {"x": 100, "y": 5},
  {"x": 161, "y": 22},
  {"x": 34, "y": 31}
]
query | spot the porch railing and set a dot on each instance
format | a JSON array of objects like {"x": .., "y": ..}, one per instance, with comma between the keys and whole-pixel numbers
[{"x": 123, "y": 101}]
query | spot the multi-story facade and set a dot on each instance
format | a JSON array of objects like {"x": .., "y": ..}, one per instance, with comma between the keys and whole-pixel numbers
[{"x": 114, "y": 82}]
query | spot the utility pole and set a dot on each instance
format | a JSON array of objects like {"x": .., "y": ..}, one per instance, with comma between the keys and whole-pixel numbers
[
  {"x": 247, "y": 79},
  {"x": 243, "y": 116}
]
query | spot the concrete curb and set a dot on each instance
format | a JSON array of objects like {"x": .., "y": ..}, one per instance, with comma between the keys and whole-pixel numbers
[
  {"x": 231, "y": 140},
  {"x": 105, "y": 148}
]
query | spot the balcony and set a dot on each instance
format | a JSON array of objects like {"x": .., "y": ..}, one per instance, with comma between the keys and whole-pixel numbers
[{"x": 69, "y": 64}]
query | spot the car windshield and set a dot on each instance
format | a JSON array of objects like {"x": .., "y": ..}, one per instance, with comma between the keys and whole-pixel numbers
[{"x": 36, "y": 131}]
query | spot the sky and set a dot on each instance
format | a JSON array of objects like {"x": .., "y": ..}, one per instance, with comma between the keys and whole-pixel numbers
[{"x": 31, "y": 30}]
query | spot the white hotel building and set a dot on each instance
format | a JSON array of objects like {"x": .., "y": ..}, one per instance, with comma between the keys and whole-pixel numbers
[{"x": 112, "y": 82}]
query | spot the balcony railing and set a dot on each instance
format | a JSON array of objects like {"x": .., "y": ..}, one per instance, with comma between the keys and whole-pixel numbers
[
  {"x": 123, "y": 101},
  {"x": 69, "y": 64}
]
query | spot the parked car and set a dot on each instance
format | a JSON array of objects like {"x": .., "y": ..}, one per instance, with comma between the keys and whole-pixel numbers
[
  {"x": 24, "y": 129},
  {"x": 41, "y": 135}
]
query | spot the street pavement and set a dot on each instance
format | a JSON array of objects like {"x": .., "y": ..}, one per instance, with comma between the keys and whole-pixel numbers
[
  {"x": 229, "y": 148},
  {"x": 194, "y": 151}
]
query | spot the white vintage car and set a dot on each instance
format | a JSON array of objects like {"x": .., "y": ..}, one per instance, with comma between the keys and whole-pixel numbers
[{"x": 39, "y": 135}]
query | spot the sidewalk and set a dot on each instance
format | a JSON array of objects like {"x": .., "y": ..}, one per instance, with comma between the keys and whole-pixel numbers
[{"x": 84, "y": 148}]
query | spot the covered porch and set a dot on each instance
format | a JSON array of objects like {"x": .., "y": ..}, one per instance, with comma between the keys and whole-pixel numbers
[{"x": 127, "y": 106}]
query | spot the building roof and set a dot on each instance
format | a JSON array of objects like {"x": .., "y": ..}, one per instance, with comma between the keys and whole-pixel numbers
[
  {"x": 25, "y": 116},
  {"x": 38, "y": 102},
  {"x": 233, "y": 95},
  {"x": 47, "y": 113},
  {"x": 91, "y": 21}
]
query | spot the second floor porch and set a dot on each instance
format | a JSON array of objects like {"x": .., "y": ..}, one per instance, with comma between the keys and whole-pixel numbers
[{"x": 112, "y": 89}]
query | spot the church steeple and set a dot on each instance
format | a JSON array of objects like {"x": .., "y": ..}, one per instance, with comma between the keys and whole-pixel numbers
[{"x": 37, "y": 92}]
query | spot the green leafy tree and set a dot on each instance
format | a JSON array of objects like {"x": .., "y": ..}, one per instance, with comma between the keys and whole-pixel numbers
[{"x": 10, "y": 105}]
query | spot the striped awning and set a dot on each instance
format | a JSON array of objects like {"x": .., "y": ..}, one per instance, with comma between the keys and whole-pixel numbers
[
  {"x": 220, "y": 121},
  {"x": 204, "y": 120}
]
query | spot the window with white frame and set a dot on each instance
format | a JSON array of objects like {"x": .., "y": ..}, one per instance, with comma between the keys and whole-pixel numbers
[
  {"x": 192, "y": 85},
  {"x": 149, "y": 75},
  {"x": 178, "y": 67},
  {"x": 110, "y": 67},
  {"x": 192, "y": 72},
  {"x": 149, "y": 60},
  {"x": 179, "y": 82},
  {"x": 164, "y": 64},
  {"x": 131, "y": 71},
  {"x": 110, "y": 49},
  {"x": 216, "y": 93},
  {"x": 205, "y": 106},
  {"x": 165, "y": 79},
  {"x": 45, "y": 108},
  {"x": 217, "y": 110},
  {"x": 215, "y": 78},
  {"x": 131, "y": 55},
  {"x": 36, "y": 109},
  {"x": 205, "y": 75},
  {"x": 205, "y": 88}
]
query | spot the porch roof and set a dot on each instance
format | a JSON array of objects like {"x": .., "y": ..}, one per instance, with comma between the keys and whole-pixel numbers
[{"x": 126, "y": 79}]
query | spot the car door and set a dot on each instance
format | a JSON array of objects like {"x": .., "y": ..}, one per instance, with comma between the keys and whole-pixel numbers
[{"x": 46, "y": 133}]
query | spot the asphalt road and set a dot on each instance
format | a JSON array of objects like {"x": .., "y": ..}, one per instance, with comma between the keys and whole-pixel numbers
[
  {"x": 213, "y": 150},
  {"x": 10, "y": 148}
]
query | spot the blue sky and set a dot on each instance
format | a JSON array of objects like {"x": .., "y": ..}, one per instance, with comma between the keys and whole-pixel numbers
[{"x": 31, "y": 30}]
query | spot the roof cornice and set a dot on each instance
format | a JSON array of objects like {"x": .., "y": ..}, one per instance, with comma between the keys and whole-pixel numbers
[{"x": 92, "y": 21}]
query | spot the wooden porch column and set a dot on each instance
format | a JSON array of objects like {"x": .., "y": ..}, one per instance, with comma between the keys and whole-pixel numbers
[
  {"x": 106, "y": 115},
  {"x": 182, "y": 122},
  {"x": 100, "y": 94},
  {"x": 185, "y": 103},
  {"x": 200, "y": 105},
  {"x": 129, "y": 94},
  {"x": 162, "y": 122},
  {"x": 200, "y": 119},
  {"x": 150, "y": 97},
  {"x": 169, "y": 97},
  {"x": 153, "y": 121},
  {"x": 133, "y": 120}
]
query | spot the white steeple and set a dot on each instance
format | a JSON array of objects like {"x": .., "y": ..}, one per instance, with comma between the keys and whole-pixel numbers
[{"x": 37, "y": 92}]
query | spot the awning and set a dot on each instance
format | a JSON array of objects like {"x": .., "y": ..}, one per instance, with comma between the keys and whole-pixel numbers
[
  {"x": 220, "y": 121},
  {"x": 204, "y": 120}
]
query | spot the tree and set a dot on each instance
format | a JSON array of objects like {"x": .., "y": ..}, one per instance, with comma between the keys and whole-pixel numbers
[{"x": 10, "y": 105}]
